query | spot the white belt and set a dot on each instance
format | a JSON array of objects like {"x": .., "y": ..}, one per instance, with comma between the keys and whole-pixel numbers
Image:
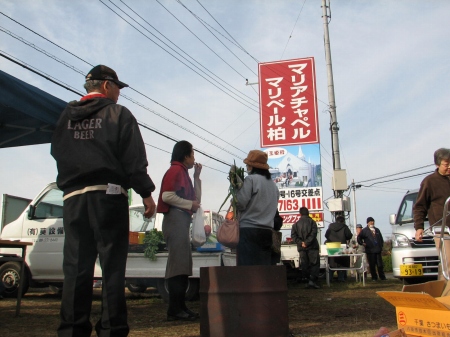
[{"x": 93, "y": 188}]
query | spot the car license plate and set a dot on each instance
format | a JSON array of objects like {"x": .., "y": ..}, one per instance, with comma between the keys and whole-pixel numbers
[{"x": 411, "y": 270}]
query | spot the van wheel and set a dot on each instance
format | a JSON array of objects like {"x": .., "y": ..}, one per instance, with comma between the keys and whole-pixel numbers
[
  {"x": 10, "y": 277},
  {"x": 191, "y": 291}
]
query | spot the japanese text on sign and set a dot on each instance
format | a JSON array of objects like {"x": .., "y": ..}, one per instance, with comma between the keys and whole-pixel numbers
[
  {"x": 288, "y": 104},
  {"x": 291, "y": 199},
  {"x": 290, "y": 219}
]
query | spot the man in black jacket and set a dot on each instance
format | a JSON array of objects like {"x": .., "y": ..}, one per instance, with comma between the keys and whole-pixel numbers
[
  {"x": 99, "y": 154},
  {"x": 372, "y": 240},
  {"x": 304, "y": 234},
  {"x": 339, "y": 232}
]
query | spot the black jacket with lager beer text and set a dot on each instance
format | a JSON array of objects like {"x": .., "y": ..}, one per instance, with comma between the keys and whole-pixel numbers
[{"x": 97, "y": 142}]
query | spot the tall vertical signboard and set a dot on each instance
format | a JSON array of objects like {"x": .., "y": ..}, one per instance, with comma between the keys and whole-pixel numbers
[
  {"x": 289, "y": 132},
  {"x": 288, "y": 104}
]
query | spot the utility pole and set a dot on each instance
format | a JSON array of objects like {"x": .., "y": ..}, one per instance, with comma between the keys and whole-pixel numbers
[
  {"x": 331, "y": 100},
  {"x": 354, "y": 187},
  {"x": 339, "y": 176}
]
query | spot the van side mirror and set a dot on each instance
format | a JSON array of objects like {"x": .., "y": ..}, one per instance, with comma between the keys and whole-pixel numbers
[
  {"x": 31, "y": 212},
  {"x": 392, "y": 218}
]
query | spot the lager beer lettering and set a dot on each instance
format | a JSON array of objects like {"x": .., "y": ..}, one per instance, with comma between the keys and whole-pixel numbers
[
  {"x": 85, "y": 124},
  {"x": 86, "y": 128}
]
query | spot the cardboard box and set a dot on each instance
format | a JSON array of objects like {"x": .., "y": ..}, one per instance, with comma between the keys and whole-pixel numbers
[{"x": 421, "y": 309}]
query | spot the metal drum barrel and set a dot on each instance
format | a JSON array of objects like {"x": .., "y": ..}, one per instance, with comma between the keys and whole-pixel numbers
[{"x": 243, "y": 301}]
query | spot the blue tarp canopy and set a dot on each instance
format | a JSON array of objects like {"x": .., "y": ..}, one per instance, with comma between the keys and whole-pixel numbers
[{"x": 28, "y": 115}]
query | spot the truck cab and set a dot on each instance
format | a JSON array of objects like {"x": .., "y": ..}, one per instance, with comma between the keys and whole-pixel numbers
[{"x": 407, "y": 253}]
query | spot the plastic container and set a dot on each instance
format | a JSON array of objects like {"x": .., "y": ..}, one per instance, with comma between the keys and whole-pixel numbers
[
  {"x": 141, "y": 237},
  {"x": 333, "y": 248},
  {"x": 133, "y": 238}
]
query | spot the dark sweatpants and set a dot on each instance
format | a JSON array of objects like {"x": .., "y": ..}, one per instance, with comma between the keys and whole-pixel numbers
[
  {"x": 255, "y": 247},
  {"x": 376, "y": 262},
  {"x": 310, "y": 263},
  {"x": 95, "y": 223}
]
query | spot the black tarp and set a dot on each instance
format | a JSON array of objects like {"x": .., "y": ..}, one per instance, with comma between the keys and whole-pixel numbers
[{"x": 28, "y": 115}]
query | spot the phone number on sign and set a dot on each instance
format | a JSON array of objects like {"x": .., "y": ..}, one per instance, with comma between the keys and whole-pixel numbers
[{"x": 288, "y": 205}]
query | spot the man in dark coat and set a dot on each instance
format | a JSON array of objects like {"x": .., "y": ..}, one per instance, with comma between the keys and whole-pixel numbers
[
  {"x": 372, "y": 240},
  {"x": 339, "y": 232},
  {"x": 100, "y": 154},
  {"x": 304, "y": 234}
]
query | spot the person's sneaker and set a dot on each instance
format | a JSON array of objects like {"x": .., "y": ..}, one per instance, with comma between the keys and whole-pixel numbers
[
  {"x": 191, "y": 313},
  {"x": 312, "y": 285},
  {"x": 181, "y": 316},
  {"x": 383, "y": 279},
  {"x": 374, "y": 280}
]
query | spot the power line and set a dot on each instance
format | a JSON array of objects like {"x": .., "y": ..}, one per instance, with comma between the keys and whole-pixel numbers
[
  {"x": 130, "y": 99},
  {"x": 40, "y": 50},
  {"x": 203, "y": 165},
  {"x": 236, "y": 43},
  {"x": 180, "y": 126},
  {"x": 45, "y": 39},
  {"x": 32, "y": 69},
  {"x": 230, "y": 94},
  {"x": 237, "y": 72},
  {"x": 47, "y": 77},
  {"x": 240, "y": 92},
  {"x": 195, "y": 16},
  {"x": 394, "y": 174},
  {"x": 401, "y": 178},
  {"x": 290, "y": 35}
]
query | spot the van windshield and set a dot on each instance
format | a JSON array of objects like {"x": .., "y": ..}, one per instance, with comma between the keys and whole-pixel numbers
[{"x": 405, "y": 213}]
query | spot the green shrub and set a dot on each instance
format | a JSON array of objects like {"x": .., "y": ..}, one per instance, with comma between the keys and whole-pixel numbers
[
  {"x": 387, "y": 263},
  {"x": 152, "y": 240}
]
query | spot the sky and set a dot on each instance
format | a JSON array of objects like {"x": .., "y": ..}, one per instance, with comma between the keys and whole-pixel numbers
[{"x": 389, "y": 64}]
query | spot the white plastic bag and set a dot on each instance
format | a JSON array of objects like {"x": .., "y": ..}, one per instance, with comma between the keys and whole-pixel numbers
[{"x": 198, "y": 228}]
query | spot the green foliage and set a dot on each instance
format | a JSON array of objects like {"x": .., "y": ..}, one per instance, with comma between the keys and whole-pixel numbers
[
  {"x": 236, "y": 178},
  {"x": 152, "y": 240},
  {"x": 387, "y": 263}
]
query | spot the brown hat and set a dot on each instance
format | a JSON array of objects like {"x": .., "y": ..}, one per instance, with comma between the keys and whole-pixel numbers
[
  {"x": 258, "y": 159},
  {"x": 102, "y": 73}
]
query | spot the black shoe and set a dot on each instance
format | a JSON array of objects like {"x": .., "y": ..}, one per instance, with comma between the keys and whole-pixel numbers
[
  {"x": 181, "y": 316},
  {"x": 191, "y": 313},
  {"x": 383, "y": 279},
  {"x": 374, "y": 280},
  {"x": 312, "y": 285}
]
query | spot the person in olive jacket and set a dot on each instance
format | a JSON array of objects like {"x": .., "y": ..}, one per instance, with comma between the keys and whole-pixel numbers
[
  {"x": 304, "y": 234},
  {"x": 372, "y": 240}
]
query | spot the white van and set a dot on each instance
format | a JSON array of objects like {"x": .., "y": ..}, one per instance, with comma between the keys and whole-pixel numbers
[
  {"x": 412, "y": 261},
  {"x": 42, "y": 224}
]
